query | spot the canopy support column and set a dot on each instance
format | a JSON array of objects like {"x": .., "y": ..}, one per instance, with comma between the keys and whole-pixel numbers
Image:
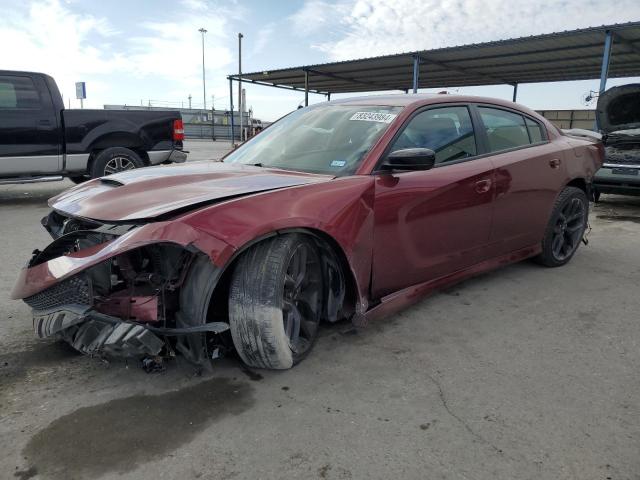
[
  {"x": 515, "y": 91},
  {"x": 231, "y": 110},
  {"x": 606, "y": 56},
  {"x": 416, "y": 72},
  {"x": 306, "y": 88},
  {"x": 329, "y": 97}
]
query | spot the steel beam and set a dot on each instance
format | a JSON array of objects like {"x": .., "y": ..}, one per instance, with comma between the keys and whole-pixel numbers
[
  {"x": 416, "y": 72},
  {"x": 275, "y": 85},
  {"x": 231, "y": 107},
  {"x": 346, "y": 79},
  {"x": 606, "y": 57}
]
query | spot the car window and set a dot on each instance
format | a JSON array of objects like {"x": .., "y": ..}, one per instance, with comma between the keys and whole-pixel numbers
[
  {"x": 448, "y": 131},
  {"x": 535, "y": 131},
  {"x": 504, "y": 129},
  {"x": 18, "y": 92}
]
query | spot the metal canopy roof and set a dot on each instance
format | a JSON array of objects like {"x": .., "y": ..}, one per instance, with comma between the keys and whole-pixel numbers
[{"x": 569, "y": 55}]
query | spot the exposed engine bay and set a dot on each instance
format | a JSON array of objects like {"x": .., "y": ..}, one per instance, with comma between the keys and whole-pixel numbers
[{"x": 126, "y": 306}]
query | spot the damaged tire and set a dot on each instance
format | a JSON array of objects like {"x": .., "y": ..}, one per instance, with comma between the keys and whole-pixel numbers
[
  {"x": 565, "y": 229},
  {"x": 275, "y": 301}
]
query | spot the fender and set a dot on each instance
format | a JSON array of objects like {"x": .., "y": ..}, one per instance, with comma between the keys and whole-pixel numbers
[{"x": 341, "y": 209}]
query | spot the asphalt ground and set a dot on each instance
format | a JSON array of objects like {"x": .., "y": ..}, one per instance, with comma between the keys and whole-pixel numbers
[{"x": 522, "y": 373}]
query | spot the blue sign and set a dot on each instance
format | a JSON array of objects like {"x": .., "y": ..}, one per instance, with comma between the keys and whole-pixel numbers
[{"x": 81, "y": 90}]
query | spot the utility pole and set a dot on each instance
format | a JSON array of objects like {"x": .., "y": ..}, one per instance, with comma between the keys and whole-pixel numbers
[
  {"x": 240, "y": 81},
  {"x": 189, "y": 97},
  {"x": 213, "y": 118},
  {"x": 204, "y": 85}
]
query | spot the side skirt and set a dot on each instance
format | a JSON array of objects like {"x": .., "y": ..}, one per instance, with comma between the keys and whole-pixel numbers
[{"x": 408, "y": 296}]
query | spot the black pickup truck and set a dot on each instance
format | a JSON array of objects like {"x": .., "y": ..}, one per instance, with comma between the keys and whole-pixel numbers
[{"x": 41, "y": 140}]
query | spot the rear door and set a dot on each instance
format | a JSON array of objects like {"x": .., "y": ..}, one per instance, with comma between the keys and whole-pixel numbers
[
  {"x": 29, "y": 133},
  {"x": 529, "y": 174},
  {"x": 432, "y": 223}
]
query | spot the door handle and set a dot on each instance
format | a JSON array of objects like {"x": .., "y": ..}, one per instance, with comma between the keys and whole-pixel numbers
[
  {"x": 483, "y": 186},
  {"x": 44, "y": 123},
  {"x": 554, "y": 162}
]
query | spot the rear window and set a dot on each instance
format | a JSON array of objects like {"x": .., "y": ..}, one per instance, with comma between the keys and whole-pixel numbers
[
  {"x": 504, "y": 129},
  {"x": 18, "y": 92}
]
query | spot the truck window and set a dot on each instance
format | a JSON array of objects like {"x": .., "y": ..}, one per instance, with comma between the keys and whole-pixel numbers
[{"x": 18, "y": 92}]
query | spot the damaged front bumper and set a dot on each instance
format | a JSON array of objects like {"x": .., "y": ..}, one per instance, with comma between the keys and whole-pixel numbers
[
  {"x": 116, "y": 294},
  {"x": 94, "y": 333}
]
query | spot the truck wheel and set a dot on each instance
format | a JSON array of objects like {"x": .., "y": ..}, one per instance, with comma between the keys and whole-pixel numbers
[
  {"x": 275, "y": 301},
  {"x": 114, "y": 160},
  {"x": 565, "y": 228}
]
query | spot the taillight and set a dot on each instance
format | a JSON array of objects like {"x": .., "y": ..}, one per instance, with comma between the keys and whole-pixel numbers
[{"x": 178, "y": 130}]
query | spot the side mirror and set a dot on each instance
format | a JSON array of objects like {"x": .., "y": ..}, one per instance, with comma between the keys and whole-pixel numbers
[{"x": 410, "y": 159}]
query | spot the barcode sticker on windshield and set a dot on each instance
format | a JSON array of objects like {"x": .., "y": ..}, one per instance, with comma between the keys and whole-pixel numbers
[{"x": 373, "y": 117}]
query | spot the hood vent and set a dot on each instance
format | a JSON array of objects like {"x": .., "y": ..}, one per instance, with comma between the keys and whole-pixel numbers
[{"x": 111, "y": 181}]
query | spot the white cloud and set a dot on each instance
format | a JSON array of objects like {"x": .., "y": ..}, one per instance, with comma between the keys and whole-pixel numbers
[
  {"x": 316, "y": 16},
  {"x": 51, "y": 37},
  {"x": 263, "y": 38},
  {"x": 376, "y": 27},
  {"x": 47, "y": 37}
]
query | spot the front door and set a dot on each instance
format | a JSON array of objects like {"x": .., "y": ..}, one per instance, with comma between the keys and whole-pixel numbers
[
  {"x": 29, "y": 132},
  {"x": 432, "y": 223}
]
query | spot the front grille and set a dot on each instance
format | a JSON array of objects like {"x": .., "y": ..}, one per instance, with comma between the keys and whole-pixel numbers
[{"x": 75, "y": 290}]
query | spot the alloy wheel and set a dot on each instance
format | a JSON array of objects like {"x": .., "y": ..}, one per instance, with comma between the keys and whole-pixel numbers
[
  {"x": 568, "y": 229},
  {"x": 302, "y": 297},
  {"x": 118, "y": 164}
]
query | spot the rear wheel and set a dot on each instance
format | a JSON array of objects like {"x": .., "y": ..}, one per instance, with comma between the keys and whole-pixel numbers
[
  {"x": 275, "y": 301},
  {"x": 114, "y": 160},
  {"x": 565, "y": 228}
]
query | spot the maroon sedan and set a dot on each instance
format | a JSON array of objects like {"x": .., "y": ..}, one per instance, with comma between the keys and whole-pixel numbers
[{"x": 347, "y": 209}]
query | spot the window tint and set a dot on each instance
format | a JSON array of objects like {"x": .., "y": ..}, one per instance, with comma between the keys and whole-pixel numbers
[
  {"x": 535, "y": 131},
  {"x": 447, "y": 131},
  {"x": 504, "y": 129},
  {"x": 18, "y": 92}
]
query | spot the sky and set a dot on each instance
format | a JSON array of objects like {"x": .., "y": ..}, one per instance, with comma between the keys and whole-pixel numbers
[{"x": 141, "y": 51}]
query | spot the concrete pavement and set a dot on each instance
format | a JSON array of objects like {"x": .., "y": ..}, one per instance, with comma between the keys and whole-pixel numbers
[{"x": 523, "y": 373}]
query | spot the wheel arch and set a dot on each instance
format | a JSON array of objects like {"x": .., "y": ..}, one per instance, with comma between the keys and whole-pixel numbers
[
  {"x": 582, "y": 184},
  {"x": 329, "y": 245}
]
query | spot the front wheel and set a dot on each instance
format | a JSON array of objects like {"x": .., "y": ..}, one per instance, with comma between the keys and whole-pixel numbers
[
  {"x": 565, "y": 228},
  {"x": 275, "y": 301}
]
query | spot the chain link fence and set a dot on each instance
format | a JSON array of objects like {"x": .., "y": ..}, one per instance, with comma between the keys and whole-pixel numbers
[{"x": 210, "y": 124}]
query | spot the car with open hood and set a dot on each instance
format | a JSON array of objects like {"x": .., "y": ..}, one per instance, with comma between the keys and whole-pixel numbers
[
  {"x": 349, "y": 209},
  {"x": 618, "y": 116}
]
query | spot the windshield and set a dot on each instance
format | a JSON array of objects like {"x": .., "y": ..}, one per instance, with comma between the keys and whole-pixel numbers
[{"x": 326, "y": 138}]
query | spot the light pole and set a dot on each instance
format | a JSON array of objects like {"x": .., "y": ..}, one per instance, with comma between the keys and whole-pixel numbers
[
  {"x": 240, "y": 81},
  {"x": 204, "y": 85}
]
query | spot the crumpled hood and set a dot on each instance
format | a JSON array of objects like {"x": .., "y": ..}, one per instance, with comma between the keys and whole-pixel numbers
[
  {"x": 619, "y": 108},
  {"x": 147, "y": 193}
]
